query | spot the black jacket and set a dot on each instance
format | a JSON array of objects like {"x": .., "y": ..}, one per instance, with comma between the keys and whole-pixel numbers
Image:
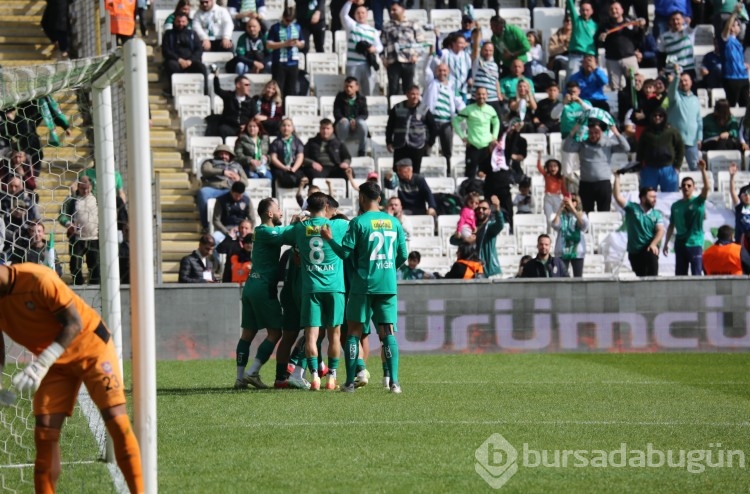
[
  {"x": 553, "y": 268},
  {"x": 337, "y": 152},
  {"x": 182, "y": 44},
  {"x": 235, "y": 113},
  {"x": 191, "y": 268},
  {"x": 341, "y": 107},
  {"x": 620, "y": 44},
  {"x": 413, "y": 127}
]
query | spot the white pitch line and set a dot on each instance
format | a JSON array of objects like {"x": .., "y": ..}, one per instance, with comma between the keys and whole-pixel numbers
[
  {"x": 31, "y": 465},
  {"x": 586, "y": 383}
]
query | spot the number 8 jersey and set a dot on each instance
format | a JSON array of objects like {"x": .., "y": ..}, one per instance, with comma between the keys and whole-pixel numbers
[{"x": 322, "y": 269}]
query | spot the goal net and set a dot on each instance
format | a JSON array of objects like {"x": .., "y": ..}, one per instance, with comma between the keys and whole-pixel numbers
[{"x": 52, "y": 133}]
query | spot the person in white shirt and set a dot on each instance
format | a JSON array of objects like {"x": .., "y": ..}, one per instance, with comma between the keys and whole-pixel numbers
[
  {"x": 441, "y": 98},
  {"x": 359, "y": 34},
  {"x": 214, "y": 25}
]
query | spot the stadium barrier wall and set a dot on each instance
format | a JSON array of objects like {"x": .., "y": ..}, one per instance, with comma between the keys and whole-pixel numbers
[{"x": 655, "y": 315}]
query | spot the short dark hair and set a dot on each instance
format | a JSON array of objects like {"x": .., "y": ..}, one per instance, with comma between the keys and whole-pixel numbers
[
  {"x": 350, "y": 78},
  {"x": 317, "y": 202},
  {"x": 289, "y": 13},
  {"x": 645, "y": 190},
  {"x": 179, "y": 14},
  {"x": 415, "y": 255},
  {"x": 370, "y": 190},
  {"x": 543, "y": 235},
  {"x": 326, "y": 121},
  {"x": 467, "y": 251},
  {"x": 263, "y": 206},
  {"x": 414, "y": 86},
  {"x": 240, "y": 78},
  {"x": 725, "y": 233},
  {"x": 207, "y": 239},
  {"x": 332, "y": 202},
  {"x": 238, "y": 187},
  {"x": 572, "y": 84},
  {"x": 687, "y": 179}
]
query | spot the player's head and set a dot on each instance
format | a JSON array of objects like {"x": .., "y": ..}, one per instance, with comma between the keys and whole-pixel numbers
[
  {"x": 333, "y": 206},
  {"x": 268, "y": 210},
  {"x": 317, "y": 202},
  {"x": 369, "y": 192}
]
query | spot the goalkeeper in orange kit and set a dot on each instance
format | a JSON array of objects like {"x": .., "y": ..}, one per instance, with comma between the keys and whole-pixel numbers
[{"x": 72, "y": 346}]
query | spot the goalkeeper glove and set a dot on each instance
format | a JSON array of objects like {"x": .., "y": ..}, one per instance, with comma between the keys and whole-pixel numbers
[{"x": 31, "y": 377}]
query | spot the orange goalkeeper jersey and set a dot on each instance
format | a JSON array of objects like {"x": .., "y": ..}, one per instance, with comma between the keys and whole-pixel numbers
[{"x": 27, "y": 312}]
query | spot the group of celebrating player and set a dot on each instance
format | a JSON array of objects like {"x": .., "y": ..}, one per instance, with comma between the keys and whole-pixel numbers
[{"x": 339, "y": 273}]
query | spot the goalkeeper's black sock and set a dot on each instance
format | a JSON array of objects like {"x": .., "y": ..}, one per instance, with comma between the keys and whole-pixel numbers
[{"x": 281, "y": 372}]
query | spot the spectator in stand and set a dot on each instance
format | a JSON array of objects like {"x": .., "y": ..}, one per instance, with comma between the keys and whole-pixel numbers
[
  {"x": 121, "y": 19},
  {"x": 55, "y": 25},
  {"x": 682, "y": 111},
  {"x": 455, "y": 56},
  {"x": 648, "y": 102},
  {"x": 184, "y": 7},
  {"x": 557, "y": 47},
  {"x": 723, "y": 258},
  {"x": 510, "y": 43},
  {"x": 591, "y": 79},
  {"x": 645, "y": 228},
  {"x": 444, "y": 103},
  {"x": 554, "y": 185},
  {"x": 17, "y": 165},
  {"x": 524, "y": 200},
  {"x": 573, "y": 108},
  {"x": 267, "y": 108},
  {"x": 665, "y": 9},
  {"x": 395, "y": 209},
  {"x": 410, "y": 270},
  {"x": 735, "y": 69},
  {"x": 19, "y": 126},
  {"x": 251, "y": 150},
  {"x": 571, "y": 224},
  {"x": 18, "y": 207},
  {"x": 229, "y": 211},
  {"x": 582, "y": 37},
  {"x": 363, "y": 46},
  {"x": 535, "y": 65},
  {"x": 721, "y": 131},
  {"x": 676, "y": 47},
  {"x": 467, "y": 221},
  {"x": 504, "y": 167},
  {"x": 467, "y": 265},
  {"x": 686, "y": 222},
  {"x": 33, "y": 248},
  {"x": 630, "y": 98},
  {"x": 250, "y": 52},
  {"x": 620, "y": 37},
  {"x": 480, "y": 136},
  {"x": 740, "y": 203},
  {"x": 544, "y": 265},
  {"x": 410, "y": 129},
  {"x": 595, "y": 156},
  {"x": 285, "y": 42},
  {"x": 712, "y": 71},
  {"x": 523, "y": 106},
  {"x": 234, "y": 245},
  {"x": 416, "y": 196},
  {"x": 660, "y": 152},
  {"x": 244, "y": 11},
  {"x": 722, "y": 12},
  {"x": 287, "y": 155},
  {"x": 325, "y": 155},
  {"x": 311, "y": 16},
  {"x": 350, "y": 114},
  {"x": 198, "y": 266},
  {"x": 80, "y": 215},
  {"x": 646, "y": 53},
  {"x": 509, "y": 83},
  {"x": 217, "y": 176},
  {"x": 544, "y": 121},
  {"x": 486, "y": 75},
  {"x": 402, "y": 40},
  {"x": 238, "y": 107},
  {"x": 182, "y": 51},
  {"x": 521, "y": 263},
  {"x": 214, "y": 25},
  {"x": 489, "y": 225}
]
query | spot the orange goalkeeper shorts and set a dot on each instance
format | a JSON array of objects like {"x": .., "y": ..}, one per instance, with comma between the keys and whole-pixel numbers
[{"x": 91, "y": 359}]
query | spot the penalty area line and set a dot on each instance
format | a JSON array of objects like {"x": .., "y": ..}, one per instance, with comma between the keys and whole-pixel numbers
[
  {"x": 31, "y": 465},
  {"x": 347, "y": 423}
]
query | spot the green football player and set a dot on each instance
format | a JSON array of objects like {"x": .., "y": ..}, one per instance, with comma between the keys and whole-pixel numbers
[
  {"x": 260, "y": 302},
  {"x": 376, "y": 240},
  {"x": 322, "y": 285}
]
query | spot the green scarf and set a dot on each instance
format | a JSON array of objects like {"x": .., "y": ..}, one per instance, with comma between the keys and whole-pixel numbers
[
  {"x": 50, "y": 112},
  {"x": 288, "y": 156},
  {"x": 571, "y": 236}
]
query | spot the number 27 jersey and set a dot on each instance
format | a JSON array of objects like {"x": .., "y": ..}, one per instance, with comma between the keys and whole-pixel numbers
[{"x": 378, "y": 245}]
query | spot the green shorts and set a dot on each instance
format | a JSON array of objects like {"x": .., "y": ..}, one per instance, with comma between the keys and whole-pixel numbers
[
  {"x": 381, "y": 308},
  {"x": 323, "y": 309},
  {"x": 259, "y": 310}
]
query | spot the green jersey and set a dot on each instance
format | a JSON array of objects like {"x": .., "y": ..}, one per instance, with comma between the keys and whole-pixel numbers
[
  {"x": 641, "y": 226},
  {"x": 266, "y": 252},
  {"x": 322, "y": 269},
  {"x": 377, "y": 242},
  {"x": 687, "y": 219}
]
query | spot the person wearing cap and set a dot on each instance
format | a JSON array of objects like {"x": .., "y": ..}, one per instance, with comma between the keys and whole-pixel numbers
[
  {"x": 361, "y": 40},
  {"x": 660, "y": 151},
  {"x": 402, "y": 44},
  {"x": 595, "y": 155},
  {"x": 723, "y": 257},
  {"x": 582, "y": 38},
  {"x": 443, "y": 101},
  {"x": 237, "y": 106},
  {"x": 217, "y": 176},
  {"x": 510, "y": 43},
  {"x": 410, "y": 130},
  {"x": 482, "y": 129},
  {"x": 416, "y": 196},
  {"x": 325, "y": 155}
]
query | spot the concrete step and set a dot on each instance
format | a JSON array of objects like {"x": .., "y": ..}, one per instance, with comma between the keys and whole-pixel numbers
[
  {"x": 179, "y": 216},
  {"x": 23, "y": 56},
  {"x": 168, "y": 277},
  {"x": 170, "y": 267},
  {"x": 185, "y": 227},
  {"x": 184, "y": 247},
  {"x": 179, "y": 236}
]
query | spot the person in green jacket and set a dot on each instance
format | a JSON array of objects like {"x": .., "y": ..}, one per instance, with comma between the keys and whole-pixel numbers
[
  {"x": 720, "y": 129},
  {"x": 490, "y": 223},
  {"x": 582, "y": 38},
  {"x": 509, "y": 41}
]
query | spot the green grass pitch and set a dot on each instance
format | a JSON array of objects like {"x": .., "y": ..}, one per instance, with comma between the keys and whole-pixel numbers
[{"x": 213, "y": 439}]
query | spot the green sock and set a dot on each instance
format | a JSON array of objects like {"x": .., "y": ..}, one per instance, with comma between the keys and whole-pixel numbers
[
  {"x": 243, "y": 353},
  {"x": 385, "y": 370},
  {"x": 333, "y": 365},
  {"x": 264, "y": 351},
  {"x": 390, "y": 346},
  {"x": 351, "y": 352},
  {"x": 360, "y": 365},
  {"x": 312, "y": 364},
  {"x": 298, "y": 355}
]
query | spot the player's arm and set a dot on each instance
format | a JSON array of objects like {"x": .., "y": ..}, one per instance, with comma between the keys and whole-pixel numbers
[
  {"x": 402, "y": 252},
  {"x": 338, "y": 248},
  {"x": 704, "y": 175},
  {"x": 670, "y": 231}
]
